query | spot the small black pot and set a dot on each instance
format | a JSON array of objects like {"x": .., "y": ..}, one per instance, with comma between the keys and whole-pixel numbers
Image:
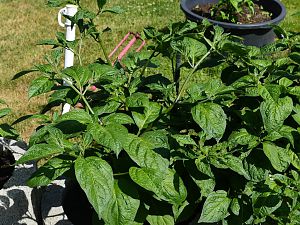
[
  {"x": 256, "y": 34},
  {"x": 6, "y": 160}
]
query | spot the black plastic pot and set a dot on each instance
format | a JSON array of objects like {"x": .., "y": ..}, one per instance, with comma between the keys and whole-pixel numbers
[
  {"x": 256, "y": 34},
  {"x": 6, "y": 160},
  {"x": 76, "y": 205}
]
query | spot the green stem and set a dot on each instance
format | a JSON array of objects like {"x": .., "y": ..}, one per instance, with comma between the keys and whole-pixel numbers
[
  {"x": 80, "y": 94},
  {"x": 147, "y": 63},
  {"x": 121, "y": 174},
  {"x": 79, "y": 50},
  {"x": 104, "y": 51},
  {"x": 182, "y": 89}
]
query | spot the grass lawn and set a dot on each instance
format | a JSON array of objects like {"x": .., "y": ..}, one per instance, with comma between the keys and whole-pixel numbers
[{"x": 24, "y": 23}]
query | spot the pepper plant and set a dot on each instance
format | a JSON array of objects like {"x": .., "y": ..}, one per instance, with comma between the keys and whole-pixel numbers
[{"x": 153, "y": 148}]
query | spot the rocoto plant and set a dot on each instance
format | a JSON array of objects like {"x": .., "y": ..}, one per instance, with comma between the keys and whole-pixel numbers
[
  {"x": 219, "y": 144},
  {"x": 228, "y": 10}
]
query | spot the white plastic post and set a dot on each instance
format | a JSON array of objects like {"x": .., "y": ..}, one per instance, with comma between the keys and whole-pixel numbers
[{"x": 69, "y": 10}]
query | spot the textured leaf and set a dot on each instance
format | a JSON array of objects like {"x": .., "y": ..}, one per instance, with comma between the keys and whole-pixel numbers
[
  {"x": 274, "y": 113},
  {"x": 184, "y": 139},
  {"x": 279, "y": 157},
  {"x": 115, "y": 10},
  {"x": 119, "y": 118},
  {"x": 141, "y": 151},
  {"x": 235, "y": 206},
  {"x": 79, "y": 115},
  {"x": 123, "y": 206},
  {"x": 95, "y": 177},
  {"x": 166, "y": 185},
  {"x": 235, "y": 164},
  {"x": 160, "y": 220},
  {"x": 39, "y": 86},
  {"x": 211, "y": 118},
  {"x": 215, "y": 207},
  {"x": 109, "y": 107},
  {"x": 50, "y": 171},
  {"x": 242, "y": 137},
  {"x": 151, "y": 113},
  {"x": 81, "y": 75},
  {"x": 40, "y": 151},
  {"x": 110, "y": 136}
]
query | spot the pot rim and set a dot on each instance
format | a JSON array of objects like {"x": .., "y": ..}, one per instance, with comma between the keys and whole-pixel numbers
[{"x": 263, "y": 25}]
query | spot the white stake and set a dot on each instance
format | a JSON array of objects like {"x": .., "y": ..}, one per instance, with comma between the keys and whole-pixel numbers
[{"x": 69, "y": 10}]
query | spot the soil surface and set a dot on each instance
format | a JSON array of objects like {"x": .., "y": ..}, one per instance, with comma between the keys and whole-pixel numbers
[{"x": 245, "y": 17}]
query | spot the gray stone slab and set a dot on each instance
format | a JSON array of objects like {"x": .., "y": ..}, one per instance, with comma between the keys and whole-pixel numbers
[{"x": 22, "y": 205}]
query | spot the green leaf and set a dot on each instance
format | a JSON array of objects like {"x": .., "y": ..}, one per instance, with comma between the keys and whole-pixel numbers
[
  {"x": 274, "y": 113},
  {"x": 211, "y": 118},
  {"x": 184, "y": 139},
  {"x": 40, "y": 151},
  {"x": 119, "y": 118},
  {"x": 160, "y": 220},
  {"x": 151, "y": 113},
  {"x": 79, "y": 115},
  {"x": 235, "y": 164},
  {"x": 123, "y": 206},
  {"x": 242, "y": 137},
  {"x": 24, "y": 72},
  {"x": 95, "y": 177},
  {"x": 101, "y": 3},
  {"x": 115, "y": 10},
  {"x": 279, "y": 157},
  {"x": 215, "y": 207},
  {"x": 111, "y": 136},
  {"x": 190, "y": 48},
  {"x": 166, "y": 185},
  {"x": 235, "y": 206},
  {"x": 137, "y": 99},
  {"x": 295, "y": 56},
  {"x": 81, "y": 75},
  {"x": 109, "y": 107},
  {"x": 50, "y": 171},
  {"x": 141, "y": 151},
  {"x": 39, "y": 86},
  {"x": 4, "y": 112}
]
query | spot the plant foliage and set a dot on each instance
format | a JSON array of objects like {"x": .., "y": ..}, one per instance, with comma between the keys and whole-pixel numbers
[{"x": 151, "y": 148}]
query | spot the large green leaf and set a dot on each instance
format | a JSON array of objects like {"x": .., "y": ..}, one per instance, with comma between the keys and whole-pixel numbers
[
  {"x": 166, "y": 185},
  {"x": 95, "y": 177},
  {"x": 234, "y": 163},
  {"x": 79, "y": 115},
  {"x": 141, "y": 151},
  {"x": 40, "y": 151},
  {"x": 50, "y": 171},
  {"x": 279, "y": 157},
  {"x": 160, "y": 220},
  {"x": 123, "y": 206},
  {"x": 119, "y": 118},
  {"x": 215, "y": 207},
  {"x": 39, "y": 86},
  {"x": 80, "y": 74},
  {"x": 190, "y": 48},
  {"x": 211, "y": 118},
  {"x": 274, "y": 112},
  {"x": 110, "y": 136},
  {"x": 151, "y": 113}
]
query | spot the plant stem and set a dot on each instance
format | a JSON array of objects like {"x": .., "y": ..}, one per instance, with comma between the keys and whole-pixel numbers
[
  {"x": 148, "y": 61},
  {"x": 187, "y": 80},
  {"x": 121, "y": 174},
  {"x": 79, "y": 50},
  {"x": 80, "y": 94},
  {"x": 104, "y": 51}
]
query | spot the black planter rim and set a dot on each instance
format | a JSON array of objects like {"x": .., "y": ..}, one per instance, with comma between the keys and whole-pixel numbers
[{"x": 264, "y": 25}]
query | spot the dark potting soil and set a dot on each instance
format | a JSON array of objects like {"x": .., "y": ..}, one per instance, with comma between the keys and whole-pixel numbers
[
  {"x": 6, "y": 170},
  {"x": 245, "y": 17}
]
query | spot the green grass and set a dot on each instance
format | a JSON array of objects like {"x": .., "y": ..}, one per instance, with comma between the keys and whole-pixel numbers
[{"x": 24, "y": 23}]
